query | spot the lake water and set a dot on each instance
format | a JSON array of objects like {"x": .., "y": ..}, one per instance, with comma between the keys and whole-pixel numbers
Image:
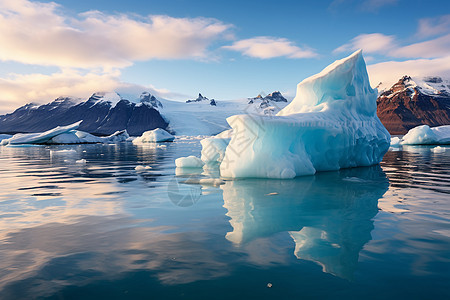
[{"x": 103, "y": 230}]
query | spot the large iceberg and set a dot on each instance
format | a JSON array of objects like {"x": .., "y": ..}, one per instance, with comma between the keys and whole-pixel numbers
[
  {"x": 330, "y": 124},
  {"x": 424, "y": 135},
  {"x": 64, "y": 135}
]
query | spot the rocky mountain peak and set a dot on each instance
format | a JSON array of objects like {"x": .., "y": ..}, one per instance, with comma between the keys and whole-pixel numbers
[
  {"x": 148, "y": 98},
  {"x": 409, "y": 103},
  {"x": 201, "y": 98}
]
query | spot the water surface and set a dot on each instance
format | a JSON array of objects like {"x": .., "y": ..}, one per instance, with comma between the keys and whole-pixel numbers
[{"x": 102, "y": 229}]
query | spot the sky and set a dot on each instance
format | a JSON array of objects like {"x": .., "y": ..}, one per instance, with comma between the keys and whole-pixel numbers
[{"x": 223, "y": 49}]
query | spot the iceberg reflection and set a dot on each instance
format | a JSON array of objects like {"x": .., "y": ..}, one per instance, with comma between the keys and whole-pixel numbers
[{"x": 329, "y": 215}]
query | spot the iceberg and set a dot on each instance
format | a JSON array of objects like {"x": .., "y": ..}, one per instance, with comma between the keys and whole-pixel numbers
[
  {"x": 330, "y": 124},
  {"x": 424, "y": 135},
  {"x": 154, "y": 136},
  {"x": 40, "y": 137},
  {"x": 64, "y": 135}
]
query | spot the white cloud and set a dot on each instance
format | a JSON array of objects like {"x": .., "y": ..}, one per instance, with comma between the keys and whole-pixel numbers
[
  {"x": 431, "y": 57},
  {"x": 371, "y": 5},
  {"x": 434, "y": 26},
  {"x": 378, "y": 43},
  {"x": 18, "y": 89},
  {"x": 370, "y": 43},
  {"x": 269, "y": 47},
  {"x": 433, "y": 48},
  {"x": 366, "y": 5},
  {"x": 391, "y": 71},
  {"x": 39, "y": 33}
]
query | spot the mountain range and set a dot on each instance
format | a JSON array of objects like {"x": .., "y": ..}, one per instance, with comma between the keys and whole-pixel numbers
[
  {"x": 102, "y": 114},
  {"x": 408, "y": 103}
]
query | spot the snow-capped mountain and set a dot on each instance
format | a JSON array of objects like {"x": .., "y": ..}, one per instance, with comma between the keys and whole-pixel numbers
[
  {"x": 270, "y": 104},
  {"x": 413, "y": 101},
  {"x": 435, "y": 86},
  {"x": 102, "y": 113}
]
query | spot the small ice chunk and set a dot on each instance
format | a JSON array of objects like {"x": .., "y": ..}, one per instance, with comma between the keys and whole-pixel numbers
[
  {"x": 142, "y": 168},
  {"x": 205, "y": 181},
  {"x": 64, "y": 152},
  {"x": 81, "y": 161},
  {"x": 395, "y": 142},
  {"x": 272, "y": 194},
  {"x": 189, "y": 162},
  {"x": 438, "y": 149},
  {"x": 154, "y": 136}
]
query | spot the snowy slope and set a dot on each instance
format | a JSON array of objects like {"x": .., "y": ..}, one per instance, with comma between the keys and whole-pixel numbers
[
  {"x": 201, "y": 118},
  {"x": 430, "y": 85}
]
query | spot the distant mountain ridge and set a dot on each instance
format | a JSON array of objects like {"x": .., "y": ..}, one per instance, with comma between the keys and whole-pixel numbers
[
  {"x": 413, "y": 102},
  {"x": 202, "y": 98},
  {"x": 102, "y": 114}
]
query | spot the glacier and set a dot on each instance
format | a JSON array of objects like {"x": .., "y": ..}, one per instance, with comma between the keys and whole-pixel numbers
[
  {"x": 64, "y": 135},
  {"x": 425, "y": 135},
  {"x": 329, "y": 125}
]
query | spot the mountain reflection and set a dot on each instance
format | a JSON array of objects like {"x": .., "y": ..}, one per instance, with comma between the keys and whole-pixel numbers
[{"x": 329, "y": 215}]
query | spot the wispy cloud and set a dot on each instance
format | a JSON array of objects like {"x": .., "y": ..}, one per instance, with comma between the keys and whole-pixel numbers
[
  {"x": 366, "y": 5},
  {"x": 374, "y": 5},
  {"x": 39, "y": 33},
  {"x": 424, "y": 58},
  {"x": 265, "y": 47},
  {"x": 378, "y": 43},
  {"x": 434, "y": 26},
  {"x": 370, "y": 43},
  {"x": 433, "y": 48}
]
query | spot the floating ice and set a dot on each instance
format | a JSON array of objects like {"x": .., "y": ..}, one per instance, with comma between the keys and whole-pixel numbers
[
  {"x": 189, "y": 162},
  {"x": 438, "y": 149},
  {"x": 118, "y": 136},
  {"x": 330, "y": 124},
  {"x": 66, "y": 151},
  {"x": 424, "y": 135},
  {"x": 154, "y": 136},
  {"x": 64, "y": 135},
  {"x": 40, "y": 137},
  {"x": 395, "y": 142},
  {"x": 81, "y": 161},
  {"x": 142, "y": 168}
]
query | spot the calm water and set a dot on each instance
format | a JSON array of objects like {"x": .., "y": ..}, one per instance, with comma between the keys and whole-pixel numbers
[{"x": 103, "y": 230}]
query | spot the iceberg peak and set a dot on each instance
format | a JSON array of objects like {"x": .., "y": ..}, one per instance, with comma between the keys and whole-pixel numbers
[{"x": 342, "y": 86}]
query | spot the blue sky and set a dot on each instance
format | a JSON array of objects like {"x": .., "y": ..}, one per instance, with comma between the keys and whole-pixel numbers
[{"x": 224, "y": 49}]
